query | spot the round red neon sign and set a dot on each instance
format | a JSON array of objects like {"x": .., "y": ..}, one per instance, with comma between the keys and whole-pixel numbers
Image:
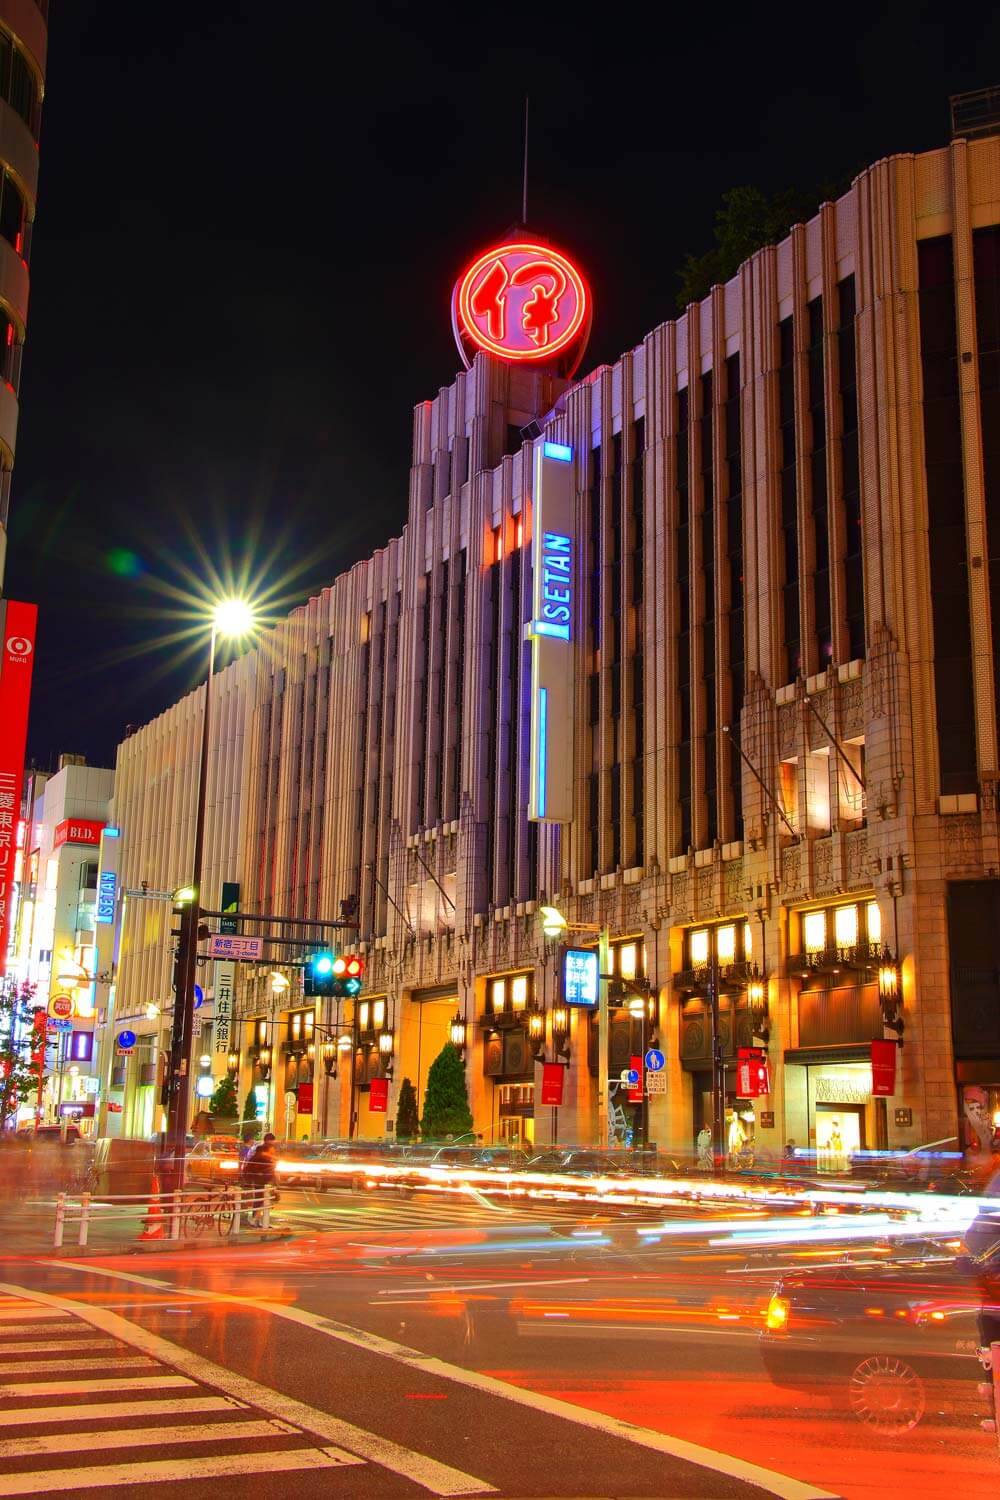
[{"x": 522, "y": 302}]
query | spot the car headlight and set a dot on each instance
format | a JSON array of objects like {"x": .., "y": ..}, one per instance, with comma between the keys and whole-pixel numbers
[{"x": 777, "y": 1314}]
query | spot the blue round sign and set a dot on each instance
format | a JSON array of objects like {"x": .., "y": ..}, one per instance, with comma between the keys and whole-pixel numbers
[
  {"x": 199, "y": 996},
  {"x": 654, "y": 1060},
  {"x": 126, "y": 1038}
]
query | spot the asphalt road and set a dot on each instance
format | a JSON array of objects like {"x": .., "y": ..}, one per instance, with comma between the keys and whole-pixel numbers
[{"x": 409, "y": 1347}]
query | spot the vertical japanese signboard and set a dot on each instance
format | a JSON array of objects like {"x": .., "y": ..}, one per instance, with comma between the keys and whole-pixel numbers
[
  {"x": 883, "y": 1069},
  {"x": 552, "y": 632},
  {"x": 17, "y": 651},
  {"x": 225, "y": 976}
]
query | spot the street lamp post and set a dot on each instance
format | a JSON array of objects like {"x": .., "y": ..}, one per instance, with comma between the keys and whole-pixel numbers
[
  {"x": 231, "y": 618},
  {"x": 555, "y": 925}
]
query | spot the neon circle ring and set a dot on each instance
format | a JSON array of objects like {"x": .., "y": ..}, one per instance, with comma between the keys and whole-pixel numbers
[{"x": 525, "y": 303}]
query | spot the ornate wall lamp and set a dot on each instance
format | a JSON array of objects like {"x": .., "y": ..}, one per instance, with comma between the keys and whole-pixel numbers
[
  {"x": 560, "y": 1030},
  {"x": 457, "y": 1034},
  {"x": 233, "y": 1063},
  {"x": 329, "y": 1055},
  {"x": 264, "y": 1063},
  {"x": 536, "y": 1033},
  {"x": 757, "y": 1007},
  {"x": 889, "y": 993}
]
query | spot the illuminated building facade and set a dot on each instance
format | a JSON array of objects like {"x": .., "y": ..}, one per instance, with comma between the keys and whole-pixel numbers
[
  {"x": 23, "y": 43},
  {"x": 55, "y": 939},
  {"x": 781, "y": 744}
]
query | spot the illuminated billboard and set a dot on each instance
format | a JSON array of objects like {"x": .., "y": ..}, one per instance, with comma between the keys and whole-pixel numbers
[
  {"x": 581, "y": 977},
  {"x": 524, "y": 303},
  {"x": 553, "y": 633}
]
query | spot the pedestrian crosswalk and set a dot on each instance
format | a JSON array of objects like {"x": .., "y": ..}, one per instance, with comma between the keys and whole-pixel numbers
[
  {"x": 60, "y": 1433},
  {"x": 344, "y": 1211}
]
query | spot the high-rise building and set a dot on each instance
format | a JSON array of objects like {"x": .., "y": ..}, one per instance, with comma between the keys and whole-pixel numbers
[
  {"x": 778, "y": 765},
  {"x": 23, "y": 41}
]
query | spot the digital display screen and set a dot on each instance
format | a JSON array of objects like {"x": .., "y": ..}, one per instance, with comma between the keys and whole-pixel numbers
[{"x": 581, "y": 977}]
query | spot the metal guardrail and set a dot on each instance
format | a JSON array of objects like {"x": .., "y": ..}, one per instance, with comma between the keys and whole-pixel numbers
[{"x": 180, "y": 1215}]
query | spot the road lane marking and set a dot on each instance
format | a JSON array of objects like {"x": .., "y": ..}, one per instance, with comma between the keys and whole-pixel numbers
[
  {"x": 52, "y": 1480},
  {"x": 31, "y": 1347},
  {"x": 25, "y": 1310},
  {"x": 137, "y": 1437},
  {"x": 15, "y": 1330},
  {"x": 70, "y": 1387},
  {"x": 438, "y": 1478},
  {"x": 25, "y": 1415},
  {"x": 429, "y": 1288},
  {"x": 782, "y": 1485},
  {"x": 43, "y": 1366}
]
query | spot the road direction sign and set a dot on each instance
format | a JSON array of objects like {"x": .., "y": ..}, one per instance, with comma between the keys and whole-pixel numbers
[
  {"x": 654, "y": 1061},
  {"x": 656, "y": 1083},
  {"x": 226, "y": 945}
]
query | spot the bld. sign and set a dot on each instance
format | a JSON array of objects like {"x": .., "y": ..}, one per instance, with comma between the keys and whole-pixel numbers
[{"x": 524, "y": 303}]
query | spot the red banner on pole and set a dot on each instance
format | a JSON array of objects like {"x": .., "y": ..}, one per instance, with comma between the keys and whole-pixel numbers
[
  {"x": 883, "y": 1069},
  {"x": 553, "y": 1078},
  {"x": 378, "y": 1095},
  {"x": 17, "y": 651},
  {"x": 753, "y": 1076},
  {"x": 635, "y": 1095}
]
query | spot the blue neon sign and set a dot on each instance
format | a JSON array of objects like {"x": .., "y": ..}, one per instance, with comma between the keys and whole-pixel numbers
[
  {"x": 543, "y": 749},
  {"x": 581, "y": 977},
  {"x": 559, "y": 451},
  {"x": 106, "y": 889},
  {"x": 557, "y": 585}
]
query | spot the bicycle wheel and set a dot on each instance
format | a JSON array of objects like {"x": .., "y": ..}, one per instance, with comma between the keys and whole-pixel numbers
[
  {"x": 197, "y": 1217},
  {"x": 225, "y": 1212}
]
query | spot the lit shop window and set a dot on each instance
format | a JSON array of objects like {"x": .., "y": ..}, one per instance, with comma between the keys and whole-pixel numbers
[
  {"x": 845, "y": 926},
  {"x": 627, "y": 958},
  {"x": 814, "y": 931},
  {"x": 723, "y": 941},
  {"x": 511, "y": 992},
  {"x": 725, "y": 944},
  {"x": 378, "y": 1014},
  {"x": 841, "y": 927}
]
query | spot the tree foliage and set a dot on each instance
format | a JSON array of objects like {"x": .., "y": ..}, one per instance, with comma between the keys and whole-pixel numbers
[
  {"x": 407, "y": 1121},
  {"x": 446, "y": 1100},
  {"x": 18, "y": 1079},
  {"x": 224, "y": 1104},
  {"x": 250, "y": 1107},
  {"x": 745, "y": 222}
]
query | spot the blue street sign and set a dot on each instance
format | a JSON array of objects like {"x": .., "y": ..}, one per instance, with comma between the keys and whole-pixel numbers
[
  {"x": 654, "y": 1060},
  {"x": 199, "y": 997},
  {"x": 126, "y": 1038},
  {"x": 633, "y": 1078},
  {"x": 63, "y": 1025}
]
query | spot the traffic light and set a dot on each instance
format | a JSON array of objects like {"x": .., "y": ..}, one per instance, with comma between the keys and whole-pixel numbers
[
  {"x": 339, "y": 977},
  {"x": 348, "y": 974},
  {"x": 319, "y": 974}
]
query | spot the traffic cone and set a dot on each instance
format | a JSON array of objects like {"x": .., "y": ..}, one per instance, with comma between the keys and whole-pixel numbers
[{"x": 152, "y": 1228}]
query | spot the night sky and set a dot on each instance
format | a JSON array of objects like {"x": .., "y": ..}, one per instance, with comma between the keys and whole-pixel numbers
[{"x": 247, "y": 237}]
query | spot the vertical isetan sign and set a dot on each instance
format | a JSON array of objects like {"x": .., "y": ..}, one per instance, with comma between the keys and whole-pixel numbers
[
  {"x": 17, "y": 651},
  {"x": 552, "y": 633}
]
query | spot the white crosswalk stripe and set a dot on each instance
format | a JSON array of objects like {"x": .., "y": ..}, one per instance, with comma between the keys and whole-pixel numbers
[{"x": 247, "y": 1444}]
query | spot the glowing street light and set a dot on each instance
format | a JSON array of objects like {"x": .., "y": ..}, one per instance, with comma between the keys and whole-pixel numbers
[
  {"x": 554, "y": 924},
  {"x": 279, "y": 984},
  {"x": 231, "y": 618}
]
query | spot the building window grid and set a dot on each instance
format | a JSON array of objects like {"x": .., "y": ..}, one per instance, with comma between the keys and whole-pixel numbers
[
  {"x": 854, "y": 589},
  {"x": 732, "y": 465},
  {"x": 706, "y": 540},
  {"x": 788, "y": 500}
]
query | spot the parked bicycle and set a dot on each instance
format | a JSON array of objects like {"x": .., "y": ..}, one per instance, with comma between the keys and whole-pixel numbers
[{"x": 207, "y": 1209}]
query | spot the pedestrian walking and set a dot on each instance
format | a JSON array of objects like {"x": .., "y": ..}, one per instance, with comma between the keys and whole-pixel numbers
[{"x": 257, "y": 1176}]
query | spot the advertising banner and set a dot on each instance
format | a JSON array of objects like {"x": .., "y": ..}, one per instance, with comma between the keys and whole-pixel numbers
[
  {"x": 553, "y": 1078},
  {"x": 753, "y": 1076},
  {"x": 883, "y": 1069},
  {"x": 581, "y": 977},
  {"x": 18, "y": 624},
  {"x": 378, "y": 1096},
  {"x": 635, "y": 1094}
]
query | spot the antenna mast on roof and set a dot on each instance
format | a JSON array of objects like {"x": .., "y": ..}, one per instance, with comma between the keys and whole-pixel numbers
[{"x": 524, "y": 171}]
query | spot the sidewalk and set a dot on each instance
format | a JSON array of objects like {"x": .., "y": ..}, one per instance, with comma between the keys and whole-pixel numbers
[{"x": 28, "y": 1228}]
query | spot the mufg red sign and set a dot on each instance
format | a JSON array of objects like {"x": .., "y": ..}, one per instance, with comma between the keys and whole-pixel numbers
[
  {"x": 17, "y": 655},
  {"x": 525, "y": 303}
]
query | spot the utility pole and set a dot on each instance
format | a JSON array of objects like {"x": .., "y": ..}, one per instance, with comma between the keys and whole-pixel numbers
[{"x": 718, "y": 1066}]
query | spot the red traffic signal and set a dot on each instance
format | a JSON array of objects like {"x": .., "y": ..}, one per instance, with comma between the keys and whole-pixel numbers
[{"x": 354, "y": 967}]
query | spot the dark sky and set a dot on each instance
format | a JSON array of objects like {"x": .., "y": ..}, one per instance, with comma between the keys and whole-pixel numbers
[{"x": 250, "y": 220}]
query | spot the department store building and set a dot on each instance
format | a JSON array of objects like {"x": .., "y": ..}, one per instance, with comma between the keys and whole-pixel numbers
[{"x": 780, "y": 738}]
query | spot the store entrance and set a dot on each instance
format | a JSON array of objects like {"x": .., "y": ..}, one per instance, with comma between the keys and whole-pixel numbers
[{"x": 840, "y": 1133}]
